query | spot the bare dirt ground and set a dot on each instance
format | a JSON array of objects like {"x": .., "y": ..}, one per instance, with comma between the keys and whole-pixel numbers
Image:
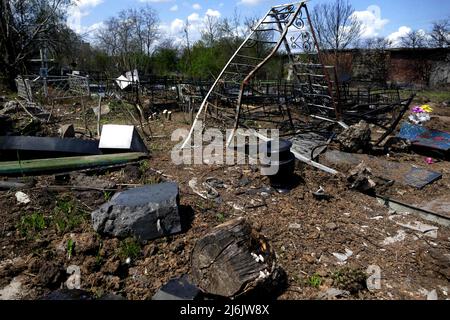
[{"x": 320, "y": 244}]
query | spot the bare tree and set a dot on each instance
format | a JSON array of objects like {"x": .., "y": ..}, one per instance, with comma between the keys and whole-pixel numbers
[
  {"x": 336, "y": 26},
  {"x": 440, "y": 34},
  {"x": 130, "y": 36},
  {"x": 25, "y": 25},
  {"x": 150, "y": 21},
  {"x": 231, "y": 27},
  {"x": 188, "y": 44},
  {"x": 211, "y": 30},
  {"x": 414, "y": 39},
  {"x": 374, "y": 58},
  {"x": 377, "y": 43}
]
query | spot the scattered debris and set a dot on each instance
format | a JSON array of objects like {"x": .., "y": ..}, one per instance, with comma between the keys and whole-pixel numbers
[
  {"x": 333, "y": 293},
  {"x": 209, "y": 193},
  {"x": 321, "y": 195},
  {"x": 360, "y": 178},
  {"x": 22, "y": 198},
  {"x": 104, "y": 110},
  {"x": 342, "y": 257},
  {"x": 430, "y": 295},
  {"x": 428, "y": 230},
  {"x": 13, "y": 290},
  {"x": 295, "y": 226},
  {"x": 147, "y": 212},
  {"x": 400, "y": 236}
]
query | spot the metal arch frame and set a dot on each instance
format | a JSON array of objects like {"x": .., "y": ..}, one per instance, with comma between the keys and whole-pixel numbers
[{"x": 282, "y": 39}]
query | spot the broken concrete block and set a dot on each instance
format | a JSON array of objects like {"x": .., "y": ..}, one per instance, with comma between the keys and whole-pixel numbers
[
  {"x": 355, "y": 138},
  {"x": 67, "y": 131},
  {"x": 121, "y": 137},
  {"x": 361, "y": 178},
  {"x": 178, "y": 289},
  {"x": 146, "y": 213}
]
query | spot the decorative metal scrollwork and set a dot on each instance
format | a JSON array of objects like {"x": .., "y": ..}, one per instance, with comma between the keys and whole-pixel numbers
[
  {"x": 284, "y": 14},
  {"x": 299, "y": 23},
  {"x": 250, "y": 43},
  {"x": 303, "y": 40}
]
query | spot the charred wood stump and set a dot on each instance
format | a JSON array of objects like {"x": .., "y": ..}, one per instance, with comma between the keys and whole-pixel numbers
[{"x": 232, "y": 260}]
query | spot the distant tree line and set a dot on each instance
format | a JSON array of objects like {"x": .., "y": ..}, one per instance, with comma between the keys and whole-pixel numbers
[{"x": 133, "y": 39}]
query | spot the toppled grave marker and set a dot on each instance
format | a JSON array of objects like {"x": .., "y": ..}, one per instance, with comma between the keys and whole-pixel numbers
[
  {"x": 44, "y": 146},
  {"x": 232, "y": 259},
  {"x": 422, "y": 137},
  {"x": 146, "y": 213},
  {"x": 387, "y": 170},
  {"x": 121, "y": 137},
  {"x": 178, "y": 289}
]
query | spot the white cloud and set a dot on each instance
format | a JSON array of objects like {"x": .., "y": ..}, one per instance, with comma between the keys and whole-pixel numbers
[
  {"x": 213, "y": 13},
  {"x": 194, "y": 17},
  {"x": 87, "y": 3},
  {"x": 176, "y": 26},
  {"x": 174, "y": 8},
  {"x": 397, "y": 35},
  {"x": 196, "y": 6},
  {"x": 251, "y": 2},
  {"x": 80, "y": 9},
  {"x": 156, "y": 1},
  {"x": 175, "y": 29},
  {"x": 371, "y": 21}
]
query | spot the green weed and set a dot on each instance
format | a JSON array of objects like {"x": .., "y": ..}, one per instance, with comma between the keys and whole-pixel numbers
[
  {"x": 220, "y": 217},
  {"x": 315, "y": 281},
  {"x": 70, "y": 246},
  {"x": 68, "y": 215},
  {"x": 129, "y": 248},
  {"x": 107, "y": 195},
  {"x": 32, "y": 223}
]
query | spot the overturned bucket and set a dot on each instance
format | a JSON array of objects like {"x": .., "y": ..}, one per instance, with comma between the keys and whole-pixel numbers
[{"x": 278, "y": 164}]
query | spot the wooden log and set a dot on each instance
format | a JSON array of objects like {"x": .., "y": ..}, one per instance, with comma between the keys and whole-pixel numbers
[{"x": 232, "y": 259}]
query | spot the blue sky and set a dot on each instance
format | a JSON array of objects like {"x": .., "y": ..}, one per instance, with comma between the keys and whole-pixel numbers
[{"x": 386, "y": 18}]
